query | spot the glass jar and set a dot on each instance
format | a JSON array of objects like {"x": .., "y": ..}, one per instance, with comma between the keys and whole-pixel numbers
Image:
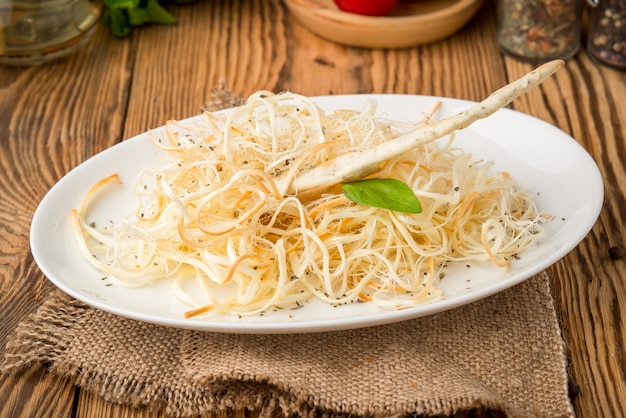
[
  {"x": 539, "y": 30},
  {"x": 36, "y": 31},
  {"x": 606, "y": 41}
]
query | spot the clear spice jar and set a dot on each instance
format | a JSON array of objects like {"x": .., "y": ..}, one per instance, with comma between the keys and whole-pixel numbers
[
  {"x": 36, "y": 31},
  {"x": 606, "y": 40},
  {"x": 539, "y": 30}
]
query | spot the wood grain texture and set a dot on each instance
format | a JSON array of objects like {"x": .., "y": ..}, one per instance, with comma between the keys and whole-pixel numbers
[
  {"x": 91, "y": 405},
  {"x": 53, "y": 117},
  {"x": 36, "y": 393},
  {"x": 221, "y": 40},
  {"x": 586, "y": 101},
  {"x": 588, "y": 285}
]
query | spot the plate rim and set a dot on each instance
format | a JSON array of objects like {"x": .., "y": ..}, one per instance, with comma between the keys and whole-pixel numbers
[{"x": 384, "y": 317}]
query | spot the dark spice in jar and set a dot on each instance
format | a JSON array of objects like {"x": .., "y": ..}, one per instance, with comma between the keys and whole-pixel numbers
[
  {"x": 539, "y": 30},
  {"x": 607, "y": 33}
]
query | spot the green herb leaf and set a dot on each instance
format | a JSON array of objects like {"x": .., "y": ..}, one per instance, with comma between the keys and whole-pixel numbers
[
  {"x": 158, "y": 14},
  {"x": 117, "y": 20},
  {"x": 389, "y": 194},
  {"x": 123, "y": 15}
]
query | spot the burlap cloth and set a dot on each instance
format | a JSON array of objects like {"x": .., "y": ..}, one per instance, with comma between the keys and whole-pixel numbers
[{"x": 504, "y": 353}]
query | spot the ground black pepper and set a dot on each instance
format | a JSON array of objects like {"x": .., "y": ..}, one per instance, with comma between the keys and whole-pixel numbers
[
  {"x": 606, "y": 42},
  {"x": 539, "y": 30},
  {"x": 617, "y": 252}
]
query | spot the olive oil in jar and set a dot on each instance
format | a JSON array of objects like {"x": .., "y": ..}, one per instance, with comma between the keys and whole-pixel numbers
[{"x": 36, "y": 31}]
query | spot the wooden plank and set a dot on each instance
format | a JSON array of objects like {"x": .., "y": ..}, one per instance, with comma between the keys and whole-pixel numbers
[
  {"x": 170, "y": 82},
  {"x": 53, "y": 117},
  {"x": 91, "y": 405},
  {"x": 324, "y": 67},
  {"x": 36, "y": 393},
  {"x": 588, "y": 285}
]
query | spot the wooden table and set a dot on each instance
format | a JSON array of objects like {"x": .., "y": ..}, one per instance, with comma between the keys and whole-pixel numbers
[{"x": 54, "y": 116}]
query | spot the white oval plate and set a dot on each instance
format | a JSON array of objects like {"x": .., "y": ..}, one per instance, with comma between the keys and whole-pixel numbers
[{"x": 564, "y": 178}]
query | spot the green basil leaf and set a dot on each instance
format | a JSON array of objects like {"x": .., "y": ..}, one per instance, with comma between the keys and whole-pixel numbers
[
  {"x": 123, "y": 15},
  {"x": 138, "y": 16},
  {"x": 121, "y": 4},
  {"x": 383, "y": 193},
  {"x": 118, "y": 20},
  {"x": 158, "y": 14}
]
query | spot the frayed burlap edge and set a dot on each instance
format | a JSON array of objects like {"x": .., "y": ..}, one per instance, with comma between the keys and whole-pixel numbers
[
  {"x": 222, "y": 98},
  {"x": 52, "y": 334},
  {"x": 48, "y": 337},
  {"x": 536, "y": 291}
]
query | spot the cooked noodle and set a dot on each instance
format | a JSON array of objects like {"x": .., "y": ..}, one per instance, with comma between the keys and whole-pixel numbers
[{"x": 212, "y": 214}]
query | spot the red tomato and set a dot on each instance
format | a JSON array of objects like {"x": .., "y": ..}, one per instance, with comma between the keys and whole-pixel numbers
[{"x": 367, "y": 7}]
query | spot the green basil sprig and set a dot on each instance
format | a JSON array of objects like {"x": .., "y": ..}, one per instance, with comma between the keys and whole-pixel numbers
[{"x": 383, "y": 193}]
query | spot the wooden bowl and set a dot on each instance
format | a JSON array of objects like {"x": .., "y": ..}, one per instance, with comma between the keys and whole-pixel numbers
[{"x": 409, "y": 23}]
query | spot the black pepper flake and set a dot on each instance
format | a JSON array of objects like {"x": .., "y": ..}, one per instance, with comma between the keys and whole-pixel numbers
[
  {"x": 617, "y": 252},
  {"x": 573, "y": 389},
  {"x": 323, "y": 61}
]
